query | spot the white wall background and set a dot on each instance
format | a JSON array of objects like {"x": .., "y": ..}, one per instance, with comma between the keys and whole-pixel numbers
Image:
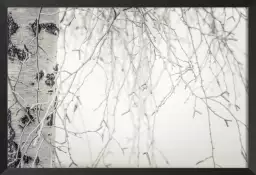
[{"x": 179, "y": 138}]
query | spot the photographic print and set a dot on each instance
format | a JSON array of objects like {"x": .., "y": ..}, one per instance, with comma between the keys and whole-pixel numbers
[{"x": 127, "y": 87}]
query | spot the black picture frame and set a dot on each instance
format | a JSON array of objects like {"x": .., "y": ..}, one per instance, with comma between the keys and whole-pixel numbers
[{"x": 4, "y": 4}]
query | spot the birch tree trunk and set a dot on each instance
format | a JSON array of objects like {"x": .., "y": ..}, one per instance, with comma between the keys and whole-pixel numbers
[{"x": 23, "y": 90}]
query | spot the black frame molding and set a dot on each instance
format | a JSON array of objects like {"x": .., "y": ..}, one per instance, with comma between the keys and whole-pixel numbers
[{"x": 4, "y": 4}]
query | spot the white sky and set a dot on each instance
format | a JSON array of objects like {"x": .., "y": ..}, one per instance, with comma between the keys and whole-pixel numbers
[{"x": 182, "y": 139}]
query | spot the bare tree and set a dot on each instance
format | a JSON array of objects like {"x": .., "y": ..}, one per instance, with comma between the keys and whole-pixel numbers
[{"x": 144, "y": 36}]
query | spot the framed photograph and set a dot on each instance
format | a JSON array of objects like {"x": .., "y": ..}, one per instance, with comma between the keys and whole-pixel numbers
[{"x": 124, "y": 88}]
